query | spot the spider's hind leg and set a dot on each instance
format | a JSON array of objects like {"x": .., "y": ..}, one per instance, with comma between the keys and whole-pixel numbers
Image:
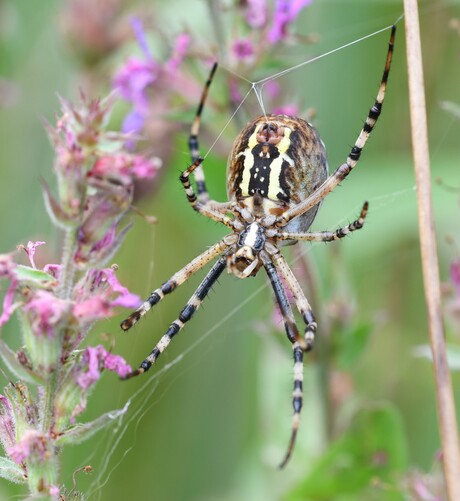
[{"x": 298, "y": 347}]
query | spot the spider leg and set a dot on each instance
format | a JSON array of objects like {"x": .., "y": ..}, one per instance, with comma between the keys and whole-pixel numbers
[
  {"x": 342, "y": 172},
  {"x": 211, "y": 209},
  {"x": 170, "y": 285},
  {"x": 327, "y": 236},
  {"x": 300, "y": 299},
  {"x": 193, "y": 140},
  {"x": 185, "y": 315},
  {"x": 298, "y": 351}
]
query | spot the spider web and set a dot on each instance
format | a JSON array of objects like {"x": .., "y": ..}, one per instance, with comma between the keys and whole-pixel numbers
[{"x": 149, "y": 394}]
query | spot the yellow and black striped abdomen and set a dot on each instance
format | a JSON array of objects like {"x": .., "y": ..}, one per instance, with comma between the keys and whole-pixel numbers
[{"x": 280, "y": 159}]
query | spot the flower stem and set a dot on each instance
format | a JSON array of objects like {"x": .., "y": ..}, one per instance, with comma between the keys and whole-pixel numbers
[{"x": 67, "y": 272}]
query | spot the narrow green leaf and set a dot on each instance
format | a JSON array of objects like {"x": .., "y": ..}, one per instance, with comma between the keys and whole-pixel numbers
[
  {"x": 81, "y": 432},
  {"x": 11, "y": 471},
  {"x": 11, "y": 361},
  {"x": 33, "y": 276}
]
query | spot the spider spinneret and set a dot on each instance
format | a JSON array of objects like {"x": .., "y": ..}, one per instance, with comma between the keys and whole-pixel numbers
[{"x": 276, "y": 180}]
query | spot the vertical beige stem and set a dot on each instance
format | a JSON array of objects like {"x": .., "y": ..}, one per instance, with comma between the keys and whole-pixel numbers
[{"x": 445, "y": 400}]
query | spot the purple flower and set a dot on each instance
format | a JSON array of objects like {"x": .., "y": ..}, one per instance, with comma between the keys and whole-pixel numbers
[
  {"x": 52, "y": 269},
  {"x": 54, "y": 491},
  {"x": 243, "y": 49},
  {"x": 117, "y": 364},
  {"x": 30, "y": 251},
  {"x": 256, "y": 14},
  {"x": 8, "y": 305},
  {"x": 133, "y": 80},
  {"x": 97, "y": 358},
  {"x": 291, "y": 110},
  {"x": 7, "y": 265},
  {"x": 180, "y": 50},
  {"x": 32, "y": 442},
  {"x": 99, "y": 293},
  {"x": 136, "y": 78},
  {"x": 286, "y": 11},
  {"x": 46, "y": 312},
  {"x": 126, "y": 165}
]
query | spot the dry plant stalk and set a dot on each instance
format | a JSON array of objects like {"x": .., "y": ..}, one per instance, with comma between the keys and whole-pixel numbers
[{"x": 445, "y": 399}]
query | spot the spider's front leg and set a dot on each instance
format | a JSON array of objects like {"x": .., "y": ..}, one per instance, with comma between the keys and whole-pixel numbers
[
  {"x": 193, "y": 144},
  {"x": 175, "y": 281},
  {"x": 184, "y": 316},
  {"x": 342, "y": 172},
  {"x": 212, "y": 209}
]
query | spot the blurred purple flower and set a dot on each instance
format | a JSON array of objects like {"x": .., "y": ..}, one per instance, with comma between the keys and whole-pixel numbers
[
  {"x": 180, "y": 51},
  {"x": 286, "y": 11},
  {"x": 256, "y": 14},
  {"x": 291, "y": 110},
  {"x": 243, "y": 49},
  {"x": 132, "y": 82},
  {"x": 455, "y": 277},
  {"x": 32, "y": 442},
  {"x": 137, "y": 76}
]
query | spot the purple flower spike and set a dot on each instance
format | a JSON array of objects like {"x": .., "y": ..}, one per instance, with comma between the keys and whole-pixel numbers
[{"x": 286, "y": 11}]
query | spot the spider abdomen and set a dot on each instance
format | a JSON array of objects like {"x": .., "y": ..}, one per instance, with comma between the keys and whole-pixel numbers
[{"x": 276, "y": 162}]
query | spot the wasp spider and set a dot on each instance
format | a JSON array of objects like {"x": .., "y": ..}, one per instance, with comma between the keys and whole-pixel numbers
[{"x": 276, "y": 179}]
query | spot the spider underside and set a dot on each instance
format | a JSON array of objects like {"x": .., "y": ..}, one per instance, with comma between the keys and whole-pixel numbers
[{"x": 276, "y": 180}]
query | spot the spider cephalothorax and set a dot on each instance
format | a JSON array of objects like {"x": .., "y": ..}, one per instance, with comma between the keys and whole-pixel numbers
[{"x": 276, "y": 180}]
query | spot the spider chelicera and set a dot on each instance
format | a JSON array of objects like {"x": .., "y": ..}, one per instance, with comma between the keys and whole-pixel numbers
[{"x": 276, "y": 179}]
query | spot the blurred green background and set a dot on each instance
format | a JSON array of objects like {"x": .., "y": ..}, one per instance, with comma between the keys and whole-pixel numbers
[{"x": 214, "y": 425}]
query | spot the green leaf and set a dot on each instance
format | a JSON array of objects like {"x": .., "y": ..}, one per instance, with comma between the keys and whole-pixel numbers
[
  {"x": 373, "y": 451},
  {"x": 81, "y": 432},
  {"x": 33, "y": 276},
  {"x": 11, "y": 361},
  {"x": 11, "y": 471},
  {"x": 352, "y": 343}
]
